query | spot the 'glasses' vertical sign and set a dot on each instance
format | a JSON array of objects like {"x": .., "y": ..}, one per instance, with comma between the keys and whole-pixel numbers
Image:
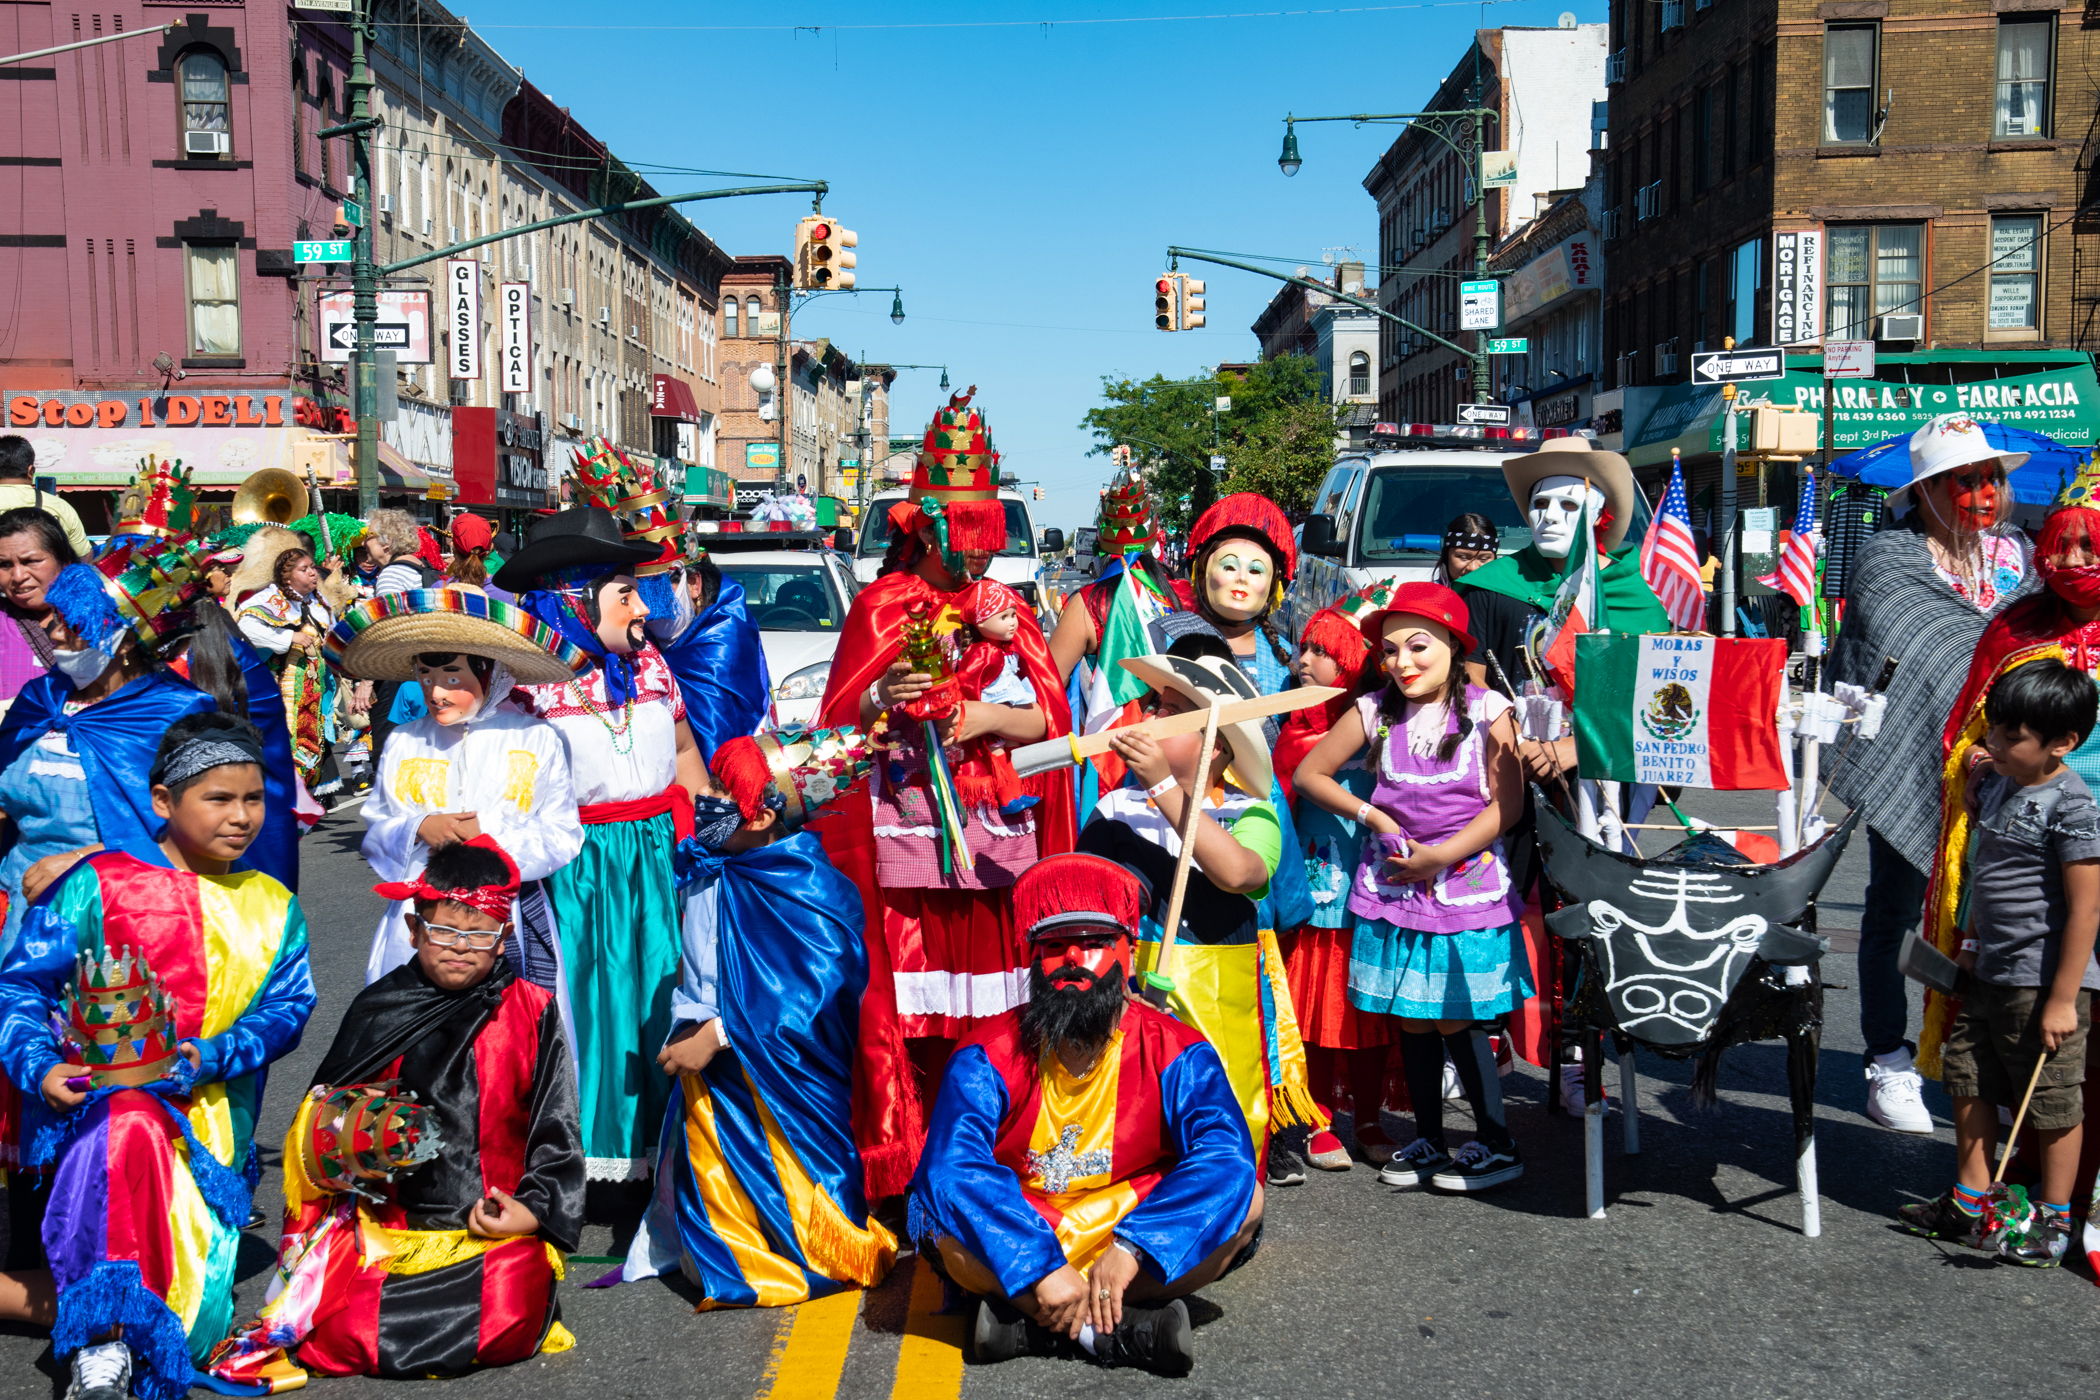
[
  {"x": 463, "y": 316},
  {"x": 514, "y": 306}
]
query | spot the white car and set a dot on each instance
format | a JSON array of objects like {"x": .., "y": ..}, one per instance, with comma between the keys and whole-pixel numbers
[
  {"x": 1020, "y": 565},
  {"x": 797, "y": 589}
]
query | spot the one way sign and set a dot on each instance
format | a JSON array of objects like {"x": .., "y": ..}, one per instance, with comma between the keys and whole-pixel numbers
[
  {"x": 1484, "y": 414},
  {"x": 1735, "y": 366},
  {"x": 386, "y": 335}
]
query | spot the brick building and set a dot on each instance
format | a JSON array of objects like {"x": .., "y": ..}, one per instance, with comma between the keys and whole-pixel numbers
[
  {"x": 1540, "y": 82},
  {"x": 1341, "y": 339},
  {"x": 748, "y": 444}
]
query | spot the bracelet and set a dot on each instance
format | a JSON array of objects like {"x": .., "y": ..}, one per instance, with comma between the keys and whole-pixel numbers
[
  {"x": 721, "y": 1033},
  {"x": 1361, "y": 813},
  {"x": 875, "y": 693},
  {"x": 1159, "y": 787},
  {"x": 1968, "y": 945}
]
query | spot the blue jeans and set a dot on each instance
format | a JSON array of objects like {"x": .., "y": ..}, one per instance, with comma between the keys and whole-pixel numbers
[{"x": 1895, "y": 901}]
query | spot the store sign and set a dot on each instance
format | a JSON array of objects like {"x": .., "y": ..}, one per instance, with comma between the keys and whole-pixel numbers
[
  {"x": 463, "y": 317},
  {"x": 97, "y": 439},
  {"x": 1557, "y": 412},
  {"x": 514, "y": 329},
  {"x": 1498, "y": 170},
  {"x": 404, "y": 326},
  {"x": 1574, "y": 265},
  {"x": 1797, "y": 287},
  {"x": 762, "y": 456}
]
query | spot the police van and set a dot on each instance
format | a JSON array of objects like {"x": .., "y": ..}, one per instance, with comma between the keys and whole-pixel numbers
[{"x": 1381, "y": 514}]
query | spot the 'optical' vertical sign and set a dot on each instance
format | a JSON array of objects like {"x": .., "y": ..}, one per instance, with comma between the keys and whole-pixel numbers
[
  {"x": 463, "y": 316},
  {"x": 1797, "y": 287},
  {"x": 514, "y": 306}
]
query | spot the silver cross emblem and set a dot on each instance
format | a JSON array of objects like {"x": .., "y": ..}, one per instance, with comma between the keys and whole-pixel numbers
[{"x": 1061, "y": 1164}]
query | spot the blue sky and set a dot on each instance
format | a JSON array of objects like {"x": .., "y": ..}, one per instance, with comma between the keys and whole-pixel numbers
[{"x": 1019, "y": 180}]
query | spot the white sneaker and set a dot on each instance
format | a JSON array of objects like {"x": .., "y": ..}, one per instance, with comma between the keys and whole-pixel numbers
[
  {"x": 1895, "y": 1093},
  {"x": 1453, "y": 1089},
  {"x": 101, "y": 1373},
  {"x": 1574, "y": 1099}
]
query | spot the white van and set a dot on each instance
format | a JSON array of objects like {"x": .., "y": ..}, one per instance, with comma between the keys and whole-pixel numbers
[
  {"x": 1381, "y": 515},
  {"x": 1020, "y": 565}
]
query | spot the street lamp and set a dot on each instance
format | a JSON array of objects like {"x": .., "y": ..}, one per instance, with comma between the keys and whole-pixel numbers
[
  {"x": 1289, "y": 161},
  {"x": 897, "y": 309}
]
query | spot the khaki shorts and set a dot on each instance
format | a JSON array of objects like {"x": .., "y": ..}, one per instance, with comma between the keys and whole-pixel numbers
[{"x": 1994, "y": 1044}]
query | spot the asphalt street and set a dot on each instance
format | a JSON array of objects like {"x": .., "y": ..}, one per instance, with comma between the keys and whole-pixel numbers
[{"x": 1698, "y": 1283}]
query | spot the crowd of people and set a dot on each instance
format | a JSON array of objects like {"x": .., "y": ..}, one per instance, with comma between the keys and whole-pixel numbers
[{"x": 934, "y": 976}]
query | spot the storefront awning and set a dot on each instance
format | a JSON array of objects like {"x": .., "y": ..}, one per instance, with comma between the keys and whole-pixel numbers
[
  {"x": 673, "y": 398},
  {"x": 398, "y": 475},
  {"x": 709, "y": 486}
]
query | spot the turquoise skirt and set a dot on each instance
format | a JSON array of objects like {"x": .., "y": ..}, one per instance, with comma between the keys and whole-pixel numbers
[
  {"x": 617, "y": 910},
  {"x": 1474, "y": 976}
]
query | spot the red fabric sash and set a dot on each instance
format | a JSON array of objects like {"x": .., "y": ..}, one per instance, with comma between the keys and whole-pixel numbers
[{"x": 672, "y": 799}]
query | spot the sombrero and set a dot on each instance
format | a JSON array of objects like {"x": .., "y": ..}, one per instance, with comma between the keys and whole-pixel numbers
[
  {"x": 381, "y": 638},
  {"x": 582, "y": 537},
  {"x": 1574, "y": 456},
  {"x": 1208, "y": 680}
]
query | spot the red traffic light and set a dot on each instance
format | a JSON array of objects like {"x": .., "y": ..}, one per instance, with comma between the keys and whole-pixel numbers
[{"x": 820, "y": 232}]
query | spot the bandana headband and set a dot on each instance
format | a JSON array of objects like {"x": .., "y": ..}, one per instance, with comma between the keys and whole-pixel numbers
[
  {"x": 1456, "y": 539},
  {"x": 492, "y": 900},
  {"x": 214, "y": 748}
]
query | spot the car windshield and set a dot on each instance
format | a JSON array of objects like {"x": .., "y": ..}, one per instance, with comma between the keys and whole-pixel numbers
[
  {"x": 875, "y": 537},
  {"x": 788, "y": 597},
  {"x": 1406, "y": 508}
]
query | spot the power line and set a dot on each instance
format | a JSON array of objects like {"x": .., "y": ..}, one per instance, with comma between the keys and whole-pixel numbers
[{"x": 1045, "y": 25}]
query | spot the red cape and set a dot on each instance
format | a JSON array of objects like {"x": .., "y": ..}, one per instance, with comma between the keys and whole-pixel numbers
[
  {"x": 888, "y": 1120},
  {"x": 2035, "y": 619}
]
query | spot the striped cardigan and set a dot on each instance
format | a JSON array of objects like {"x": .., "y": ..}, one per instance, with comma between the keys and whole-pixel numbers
[{"x": 1897, "y": 605}]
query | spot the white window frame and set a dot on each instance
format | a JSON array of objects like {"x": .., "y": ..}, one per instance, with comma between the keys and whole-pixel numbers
[{"x": 2036, "y": 277}]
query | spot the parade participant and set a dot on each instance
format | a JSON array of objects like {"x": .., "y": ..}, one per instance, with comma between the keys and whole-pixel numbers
[
  {"x": 181, "y": 980},
  {"x": 433, "y": 1174},
  {"x": 19, "y": 491},
  {"x": 471, "y": 766},
  {"x": 632, "y": 766},
  {"x": 286, "y": 622},
  {"x": 33, "y": 548},
  {"x": 471, "y": 540},
  {"x": 942, "y": 952},
  {"x": 1471, "y": 541},
  {"x": 1228, "y": 972},
  {"x": 758, "y": 1198},
  {"x": 1128, "y": 537},
  {"x": 1437, "y": 940},
  {"x": 1087, "y": 1165},
  {"x": 1332, "y": 651},
  {"x": 1921, "y": 592},
  {"x": 2033, "y": 880},
  {"x": 1241, "y": 559}
]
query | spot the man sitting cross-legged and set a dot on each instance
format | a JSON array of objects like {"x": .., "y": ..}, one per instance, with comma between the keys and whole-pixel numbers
[{"x": 1087, "y": 1165}]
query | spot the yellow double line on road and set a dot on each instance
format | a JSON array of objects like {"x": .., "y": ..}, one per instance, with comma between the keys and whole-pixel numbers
[{"x": 809, "y": 1354}]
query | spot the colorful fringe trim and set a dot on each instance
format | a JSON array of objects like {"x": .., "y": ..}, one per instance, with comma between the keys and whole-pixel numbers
[
  {"x": 113, "y": 1294},
  {"x": 422, "y": 601}
]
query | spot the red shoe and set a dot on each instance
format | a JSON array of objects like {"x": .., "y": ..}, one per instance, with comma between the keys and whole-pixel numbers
[{"x": 1325, "y": 1151}]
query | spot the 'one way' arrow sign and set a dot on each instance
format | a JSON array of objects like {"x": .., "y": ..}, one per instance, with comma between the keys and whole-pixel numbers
[
  {"x": 1735, "y": 366},
  {"x": 385, "y": 335}
]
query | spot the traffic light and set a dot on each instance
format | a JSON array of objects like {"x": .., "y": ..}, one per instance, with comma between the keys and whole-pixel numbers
[
  {"x": 1039, "y": 493},
  {"x": 1191, "y": 318},
  {"x": 830, "y": 261},
  {"x": 805, "y": 237},
  {"x": 1163, "y": 315}
]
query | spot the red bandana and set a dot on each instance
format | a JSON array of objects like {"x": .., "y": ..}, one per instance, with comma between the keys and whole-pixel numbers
[{"x": 492, "y": 900}]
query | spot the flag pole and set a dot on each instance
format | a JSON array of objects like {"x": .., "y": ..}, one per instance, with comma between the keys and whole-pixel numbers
[{"x": 1811, "y": 678}]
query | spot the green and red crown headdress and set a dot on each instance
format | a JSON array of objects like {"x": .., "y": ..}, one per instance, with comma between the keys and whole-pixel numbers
[
  {"x": 362, "y": 1133},
  {"x": 955, "y": 483},
  {"x": 806, "y": 768},
  {"x": 1126, "y": 523},
  {"x": 120, "y": 1020},
  {"x": 160, "y": 501},
  {"x": 648, "y": 514}
]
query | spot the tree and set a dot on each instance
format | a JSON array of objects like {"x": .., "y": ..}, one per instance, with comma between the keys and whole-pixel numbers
[{"x": 1278, "y": 438}]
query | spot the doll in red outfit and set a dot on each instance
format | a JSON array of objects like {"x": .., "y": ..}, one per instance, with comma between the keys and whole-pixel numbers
[{"x": 990, "y": 671}]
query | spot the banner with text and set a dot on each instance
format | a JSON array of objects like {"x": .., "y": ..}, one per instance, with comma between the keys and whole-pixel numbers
[{"x": 463, "y": 317}]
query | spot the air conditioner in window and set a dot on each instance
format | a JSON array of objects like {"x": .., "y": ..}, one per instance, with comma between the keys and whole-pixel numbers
[
  {"x": 1666, "y": 357},
  {"x": 428, "y": 224},
  {"x": 1909, "y": 326},
  {"x": 205, "y": 143},
  {"x": 605, "y": 315},
  {"x": 574, "y": 421},
  {"x": 452, "y": 233},
  {"x": 567, "y": 297},
  {"x": 386, "y": 204}
]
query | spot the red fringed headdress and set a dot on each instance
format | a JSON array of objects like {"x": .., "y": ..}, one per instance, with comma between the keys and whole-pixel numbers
[
  {"x": 805, "y": 768},
  {"x": 492, "y": 900},
  {"x": 1076, "y": 890},
  {"x": 1343, "y": 641},
  {"x": 1248, "y": 515},
  {"x": 957, "y": 478}
]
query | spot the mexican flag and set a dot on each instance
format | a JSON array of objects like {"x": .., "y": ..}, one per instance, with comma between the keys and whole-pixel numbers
[
  {"x": 1697, "y": 711},
  {"x": 1578, "y": 606},
  {"x": 1127, "y": 633}
]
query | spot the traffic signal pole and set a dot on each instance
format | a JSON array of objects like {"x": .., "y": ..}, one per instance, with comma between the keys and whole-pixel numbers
[
  {"x": 1478, "y": 357},
  {"x": 365, "y": 274}
]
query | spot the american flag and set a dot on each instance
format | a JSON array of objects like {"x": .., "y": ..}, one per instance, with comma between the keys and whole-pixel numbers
[
  {"x": 1670, "y": 559},
  {"x": 1796, "y": 575}
]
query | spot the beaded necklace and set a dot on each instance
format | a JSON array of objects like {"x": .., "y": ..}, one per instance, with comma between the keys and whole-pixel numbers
[{"x": 625, "y": 730}]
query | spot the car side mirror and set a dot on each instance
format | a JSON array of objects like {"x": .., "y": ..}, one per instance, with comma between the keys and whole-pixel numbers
[
  {"x": 1318, "y": 536},
  {"x": 842, "y": 539},
  {"x": 1053, "y": 540}
]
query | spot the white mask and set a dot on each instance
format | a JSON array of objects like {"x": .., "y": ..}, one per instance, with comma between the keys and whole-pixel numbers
[
  {"x": 81, "y": 668},
  {"x": 1556, "y": 512}
]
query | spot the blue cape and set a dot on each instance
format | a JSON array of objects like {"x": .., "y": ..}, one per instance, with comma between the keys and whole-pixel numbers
[
  {"x": 721, "y": 671},
  {"x": 275, "y": 851}
]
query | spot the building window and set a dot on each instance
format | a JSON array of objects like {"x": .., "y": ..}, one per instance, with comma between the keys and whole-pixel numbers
[
  {"x": 1745, "y": 280},
  {"x": 206, "y": 130},
  {"x": 1703, "y": 138},
  {"x": 751, "y": 316},
  {"x": 729, "y": 330},
  {"x": 215, "y": 298},
  {"x": 2016, "y": 273},
  {"x": 1359, "y": 374},
  {"x": 1848, "y": 82},
  {"x": 2023, "y": 77},
  {"x": 1873, "y": 270}
]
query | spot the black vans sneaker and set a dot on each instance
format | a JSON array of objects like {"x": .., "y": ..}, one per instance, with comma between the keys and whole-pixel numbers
[
  {"x": 1158, "y": 1340},
  {"x": 1941, "y": 1219},
  {"x": 1414, "y": 1164},
  {"x": 999, "y": 1331},
  {"x": 1478, "y": 1167}
]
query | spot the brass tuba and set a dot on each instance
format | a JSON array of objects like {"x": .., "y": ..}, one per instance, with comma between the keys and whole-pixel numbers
[{"x": 271, "y": 496}]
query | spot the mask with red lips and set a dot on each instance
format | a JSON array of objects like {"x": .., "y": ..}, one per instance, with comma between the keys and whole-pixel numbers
[
  {"x": 1974, "y": 494},
  {"x": 2076, "y": 528}
]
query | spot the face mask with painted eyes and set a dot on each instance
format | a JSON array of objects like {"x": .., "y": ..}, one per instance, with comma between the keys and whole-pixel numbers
[
  {"x": 1973, "y": 492},
  {"x": 1418, "y": 656},
  {"x": 1239, "y": 579}
]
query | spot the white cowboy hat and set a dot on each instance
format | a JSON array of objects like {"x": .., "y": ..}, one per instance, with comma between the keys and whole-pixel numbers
[
  {"x": 1208, "y": 680},
  {"x": 1576, "y": 456},
  {"x": 1948, "y": 443}
]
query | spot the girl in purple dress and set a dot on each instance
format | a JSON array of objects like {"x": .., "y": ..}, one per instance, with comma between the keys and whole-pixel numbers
[{"x": 1437, "y": 942}]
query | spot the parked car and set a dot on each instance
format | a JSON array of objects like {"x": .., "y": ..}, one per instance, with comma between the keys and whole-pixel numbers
[
  {"x": 1381, "y": 515},
  {"x": 797, "y": 587},
  {"x": 1086, "y": 546},
  {"x": 1020, "y": 565}
]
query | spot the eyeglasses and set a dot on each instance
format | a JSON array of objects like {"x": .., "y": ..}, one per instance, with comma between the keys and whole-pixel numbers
[
  {"x": 1991, "y": 476},
  {"x": 476, "y": 940}
]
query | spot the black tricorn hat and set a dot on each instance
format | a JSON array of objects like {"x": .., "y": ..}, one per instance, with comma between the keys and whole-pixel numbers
[{"x": 571, "y": 539}]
